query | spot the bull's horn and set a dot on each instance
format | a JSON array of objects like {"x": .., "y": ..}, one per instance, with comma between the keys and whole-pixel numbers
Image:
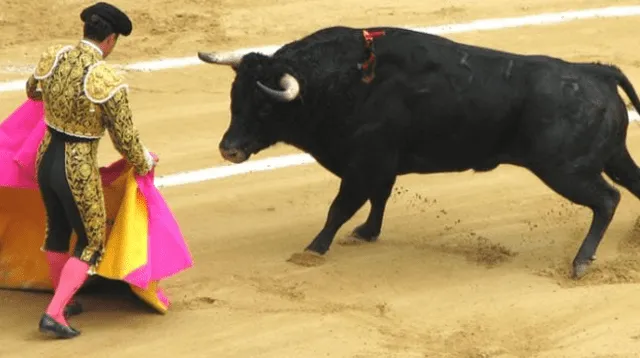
[
  {"x": 290, "y": 92},
  {"x": 221, "y": 58}
]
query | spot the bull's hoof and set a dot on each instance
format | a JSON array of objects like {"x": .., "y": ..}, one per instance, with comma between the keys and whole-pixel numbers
[
  {"x": 356, "y": 239},
  {"x": 361, "y": 235},
  {"x": 580, "y": 269},
  {"x": 307, "y": 258}
]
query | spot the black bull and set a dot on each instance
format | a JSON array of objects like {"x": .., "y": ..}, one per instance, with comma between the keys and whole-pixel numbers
[{"x": 434, "y": 106}]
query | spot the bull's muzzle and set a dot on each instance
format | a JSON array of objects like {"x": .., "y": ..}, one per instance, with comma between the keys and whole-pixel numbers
[{"x": 232, "y": 153}]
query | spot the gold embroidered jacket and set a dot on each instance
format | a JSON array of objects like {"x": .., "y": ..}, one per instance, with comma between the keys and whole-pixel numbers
[{"x": 83, "y": 97}]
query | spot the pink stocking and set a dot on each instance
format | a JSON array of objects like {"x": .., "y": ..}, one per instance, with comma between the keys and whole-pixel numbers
[
  {"x": 56, "y": 262},
  {"x": 74, "y": 274}
]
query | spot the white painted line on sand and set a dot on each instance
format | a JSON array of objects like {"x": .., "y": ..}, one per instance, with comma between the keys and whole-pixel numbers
[
  {"x": 486, "y": 24},
  {"x": 13, "y": 86},
  {"x": 224, "y": 171},
  {"x": 534, "y": 20},
  {"x": 301, "y": 159},
  {"x": 179, "y": 62},
  {"x": 202, "y": 175}
]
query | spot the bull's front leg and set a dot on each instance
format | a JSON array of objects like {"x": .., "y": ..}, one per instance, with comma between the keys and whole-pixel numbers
[
  {"x": 371, "y": 177},
  {"x": 351, "y": 196},
  {"x": 369, "y": 231}
]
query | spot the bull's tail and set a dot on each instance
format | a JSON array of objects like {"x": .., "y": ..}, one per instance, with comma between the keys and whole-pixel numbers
[
  {"x": 626, "y": 85},
  {"x": 622, "y": 80}
]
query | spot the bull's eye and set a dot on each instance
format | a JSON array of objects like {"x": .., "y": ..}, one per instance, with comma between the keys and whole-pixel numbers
[{"x": 264, "y": 112}]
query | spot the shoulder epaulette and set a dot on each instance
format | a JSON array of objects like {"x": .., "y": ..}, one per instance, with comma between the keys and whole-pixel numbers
[
  {"x": 49, "y": 60},
  {"x": 102, "y": 82}
]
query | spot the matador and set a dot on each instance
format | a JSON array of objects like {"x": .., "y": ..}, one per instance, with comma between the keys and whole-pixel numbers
[{"x": 83, "y": 97}]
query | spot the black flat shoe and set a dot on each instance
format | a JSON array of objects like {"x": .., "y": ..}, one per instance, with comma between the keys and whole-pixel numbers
[
  {"x": 48, "y": 325},
  {"x": 73, "y": 309}
]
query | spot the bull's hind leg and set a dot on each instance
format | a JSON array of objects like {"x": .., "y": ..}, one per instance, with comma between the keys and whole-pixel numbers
[
  {"x": 624, "y": 171},
  {"x": 590, "y": 190}
]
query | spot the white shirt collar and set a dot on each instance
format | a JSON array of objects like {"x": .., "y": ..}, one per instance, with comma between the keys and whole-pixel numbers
[{"x": 91, "y": 44}]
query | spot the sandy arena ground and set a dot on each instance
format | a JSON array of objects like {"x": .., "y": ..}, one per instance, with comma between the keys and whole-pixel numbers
[{"x": 468, "y": 265}]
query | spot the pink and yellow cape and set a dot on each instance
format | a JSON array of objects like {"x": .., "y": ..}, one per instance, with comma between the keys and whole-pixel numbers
[{"x": 144, "y": 243}]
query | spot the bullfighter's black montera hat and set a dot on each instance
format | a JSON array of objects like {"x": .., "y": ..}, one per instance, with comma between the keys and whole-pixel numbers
[{"x": 117, "y": 18}]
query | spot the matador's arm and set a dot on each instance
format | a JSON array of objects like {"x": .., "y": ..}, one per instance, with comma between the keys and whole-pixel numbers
[
  {"x": 105, "y": 88},
  {"x": 32, "y": 89},
  {"x": 124, "y": 135}
]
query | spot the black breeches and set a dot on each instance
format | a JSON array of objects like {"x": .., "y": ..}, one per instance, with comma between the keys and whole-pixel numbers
[{"x": 63, "y": 215}]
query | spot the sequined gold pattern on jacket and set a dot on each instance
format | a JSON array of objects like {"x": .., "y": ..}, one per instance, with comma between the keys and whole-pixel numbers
[
  {"x": 85, "y": 183},
  {"x": 124, "y": 136},
  {"x": 84, "y": 96},
  {"x": 49, "y": 60},
  {"x": 102, "y": 82},
  {"x": 61, "y": 78}
]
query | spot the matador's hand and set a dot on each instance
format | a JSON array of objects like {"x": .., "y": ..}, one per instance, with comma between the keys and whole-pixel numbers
[
  {"x": 155, "y": 159},
  {"x": 35, "y": 95}
]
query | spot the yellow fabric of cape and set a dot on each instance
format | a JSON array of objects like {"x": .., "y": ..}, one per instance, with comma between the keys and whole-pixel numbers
[{"x": 22, "y": 229}]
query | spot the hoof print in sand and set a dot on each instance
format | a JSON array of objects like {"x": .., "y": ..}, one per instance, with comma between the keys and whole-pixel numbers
[{"x": 307, "y": 259}]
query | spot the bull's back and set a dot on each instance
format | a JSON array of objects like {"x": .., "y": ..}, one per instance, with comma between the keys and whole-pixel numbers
[
  {"x": 458, "y": 95},
  {"x": 465, "y": 102}
]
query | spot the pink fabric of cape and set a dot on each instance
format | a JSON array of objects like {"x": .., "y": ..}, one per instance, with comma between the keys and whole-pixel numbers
[
  {"x": 168, "y": 254},
  {"x": 20, "y": 136}
]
